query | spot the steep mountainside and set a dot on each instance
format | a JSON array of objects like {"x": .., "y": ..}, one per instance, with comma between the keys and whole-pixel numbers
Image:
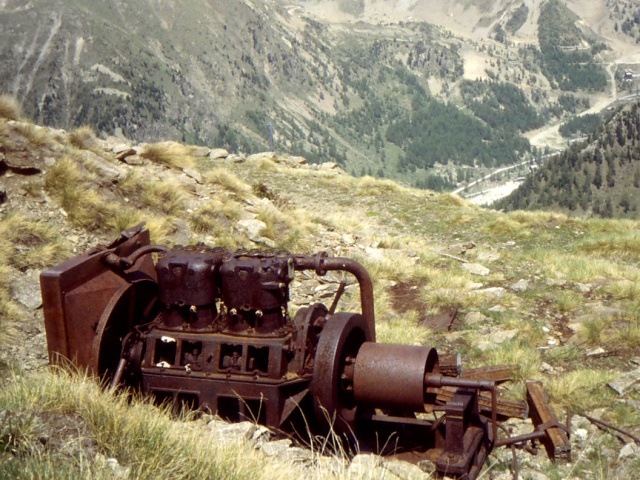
[
  {"x": 338, "y": 81},
  {"x": 599, "y": 177}
]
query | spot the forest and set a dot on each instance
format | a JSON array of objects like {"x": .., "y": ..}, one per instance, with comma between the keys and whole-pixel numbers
[{"x": 598, "y": 177}]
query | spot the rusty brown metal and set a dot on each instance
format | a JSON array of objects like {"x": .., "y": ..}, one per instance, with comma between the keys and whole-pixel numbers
[
  {"x": 81, "y": 296},
  {"x": 210, "y": 329},
  {"x": 555, "y": 439},
  {"x": 504, "y": 407},
  {"x": 497, "y": 373}
]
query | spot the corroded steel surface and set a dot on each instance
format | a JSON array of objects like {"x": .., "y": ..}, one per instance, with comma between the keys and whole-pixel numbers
[{"x": 210, "y": 329}]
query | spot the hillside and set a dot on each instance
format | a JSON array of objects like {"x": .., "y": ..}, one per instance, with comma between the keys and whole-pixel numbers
[
  {"x": 333, "y": 80},
  {"x": 598, "y": 177},
  {"x": 555, "y": 295}
]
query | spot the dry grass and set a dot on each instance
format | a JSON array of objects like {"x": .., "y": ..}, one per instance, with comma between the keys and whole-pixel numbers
[
  {"x": 35, "y": 135},
  {"x": 78, "y": 198},
  {"x": 227, "y": 180},
  {"x": 143, "y": 438},
  {"x": 402, "y": 329},
  {"x": 290, "y": 231},
  {"x": 83, "y": 138},
  {"x": 26, "y": 243},
  {"x": 10, "y": 108},
  {"x": 169, "y": 154},
  {"x": 166, "y": 195}
]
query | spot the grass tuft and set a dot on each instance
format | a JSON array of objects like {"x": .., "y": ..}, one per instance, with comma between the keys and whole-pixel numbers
[
  {"x": 169, "y": 154},
  {"x": 82, "y": 137},
  {"x": 10, "y": 108}
]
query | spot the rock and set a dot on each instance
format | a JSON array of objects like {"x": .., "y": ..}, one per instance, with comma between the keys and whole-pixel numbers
[
  {"x": 328, "y": 166},
  {"x": 126, "y": 153},
  {"x": 200, "y": 151},
  {"x": 595, "y": 352},
  {"x": 262, "y": 156},
  {"x": 405, "y": 470},
  {"x": 583, "y": 287},
  {"x": 426, "y": 466},
  {"x": 530, "y": 474},
  {"x": 277, "y": 448},
  {"x": 26, "y": 289},
  {"x": 105, "y": 170},
  {"x": 190, "y": 172},
  {"x": 520, "y": 286},
  {"x": 472, "y": 318},
  {"x": 364, "y": 464},
  {"x": 630, "y": 450},
  {"x": 546, "y": 368},
  {"x": 625, "y": 382},
  {"x": 496, "y": 338},
  {"x": 111, "y": 463},
  {"x": 348, "y": 239},
  {"x": 252, "y": 228},
  {"x": 218, "y": 153},
  {"x": 580, "y": 434},
  {"x": 476, "y": 269},
  {"x": 235, "y": 158},
  {"x": 496, "y": 292},
  {"x": 134, "y": 160},
  {"x": 294, "y": 160}
]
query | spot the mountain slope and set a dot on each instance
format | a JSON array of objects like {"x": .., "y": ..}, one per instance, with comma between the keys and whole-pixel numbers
[
  {"x": 599, "y": 177},
  {"x": 326, "y": 78}
]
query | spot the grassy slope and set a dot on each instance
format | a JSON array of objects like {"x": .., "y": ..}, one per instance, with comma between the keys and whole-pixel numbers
[{"x": 582, "y": 275}]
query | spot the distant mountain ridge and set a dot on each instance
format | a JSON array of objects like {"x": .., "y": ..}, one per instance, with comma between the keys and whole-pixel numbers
[{"x": 332, "y": 78}]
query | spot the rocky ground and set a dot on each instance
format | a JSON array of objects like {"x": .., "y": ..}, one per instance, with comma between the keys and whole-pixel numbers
[{"x": 24, "y": 341}]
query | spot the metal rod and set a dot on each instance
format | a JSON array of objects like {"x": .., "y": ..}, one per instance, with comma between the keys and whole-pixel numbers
[
  {"x": 321, "y": 263},
  {"x": 520, "y": 438},
  {"x": 118, "y": 375},
  {"x": 336, "y": 299},
  {"x": 608, "y": 425}
]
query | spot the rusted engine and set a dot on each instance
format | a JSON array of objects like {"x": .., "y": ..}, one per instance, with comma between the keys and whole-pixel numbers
[{"x": 211, "y": 329}]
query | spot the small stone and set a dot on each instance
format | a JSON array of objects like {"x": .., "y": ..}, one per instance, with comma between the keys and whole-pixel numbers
[
  {"x": 472, "y": 318},
  {"x": 626, "y": 382},
  {"x": 520, "y": 286},
  {"x": 630, "y": 450},
  {"x": 546, "y": 368},
  {"x": 190, "y": 172},
  {"x": 594, "y": 352},
  {"x": 580, "y": 433},
  {"x": 218, "y": 153},
  {"x": 476, "y": 269},
  {"x": 277, "y": 448},
  {"x": 583, "y": 287},
  {"x": 497, "y": 309},
  {"x": 496, "y": 292}
]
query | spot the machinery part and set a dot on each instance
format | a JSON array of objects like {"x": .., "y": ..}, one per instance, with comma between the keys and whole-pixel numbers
[
  {"x": 544, "y": 419},
  {"x": 210, "y": 329},
  {"x": 88, "y": 305},
  {"x": 342, "y": 337}
]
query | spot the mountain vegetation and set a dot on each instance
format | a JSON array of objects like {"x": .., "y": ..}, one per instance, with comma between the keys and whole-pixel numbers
[
  {"x": 557, "y": 297},
  {"x": 234, "y": 73},
  {"x": 566, "y": 52},
  {"x": 598, "y": 177}
]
